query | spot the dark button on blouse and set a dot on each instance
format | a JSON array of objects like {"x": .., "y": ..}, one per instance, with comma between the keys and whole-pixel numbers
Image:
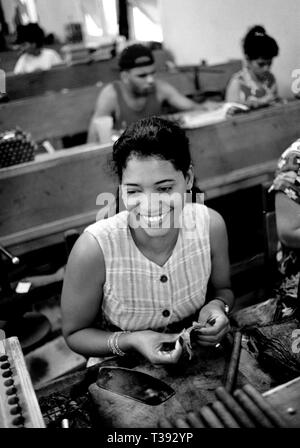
[
  {"x": 163, "y": 278},
  {"x": 166, "y": 313}
]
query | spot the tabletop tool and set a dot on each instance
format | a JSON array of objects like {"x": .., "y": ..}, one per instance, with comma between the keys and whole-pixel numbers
[{"x": 134, "y": 384}]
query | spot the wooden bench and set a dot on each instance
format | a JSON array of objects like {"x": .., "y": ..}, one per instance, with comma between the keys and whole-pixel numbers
[
  {"x": 42, "y": 199},
  {"x": 213, "y": 79},
  {"x": 45, "y": 197},
  {"x": 51, "y": 116},
  {"x": 58, "y": 115},
  {"x": 203, "y": 79},
  {"x": 60, "y": 78},
  {"x": 62, "y": 114},
  {"x": 243, "y": 149},
  {"x": 184, "y": 81},
  {"x": 73, "y": 77}
]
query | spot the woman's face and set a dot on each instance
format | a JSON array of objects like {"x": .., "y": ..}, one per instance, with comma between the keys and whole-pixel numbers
[
  {"x": 260, "y": 67},
  {"x": 31, "y": 48},
  {"x": 153, "y": 192}
]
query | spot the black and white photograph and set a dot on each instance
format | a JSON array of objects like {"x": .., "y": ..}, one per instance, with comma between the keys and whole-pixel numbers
[{"x": 149, "y": 226}]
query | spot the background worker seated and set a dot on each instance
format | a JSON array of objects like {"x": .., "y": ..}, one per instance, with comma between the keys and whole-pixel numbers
[
  {"x": 137, "y": 94},
  {"x": 255, "y": 85},
  {"x": 34, "y": 57}
]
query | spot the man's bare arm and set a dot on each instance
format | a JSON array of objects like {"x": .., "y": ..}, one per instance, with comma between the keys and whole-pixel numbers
[
  {"x": 105, "y": 106},
  {"x": 174, "y": 98}
]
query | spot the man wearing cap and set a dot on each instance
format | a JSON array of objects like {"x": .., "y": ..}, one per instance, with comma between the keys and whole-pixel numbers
[{"x": 137, "y": 94}]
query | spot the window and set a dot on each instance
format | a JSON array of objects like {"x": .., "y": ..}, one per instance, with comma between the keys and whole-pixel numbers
[
  {"x": 28, "y": 11},
  {"x": 145, "y": 21},
  {"x": 100, "y": 18}
]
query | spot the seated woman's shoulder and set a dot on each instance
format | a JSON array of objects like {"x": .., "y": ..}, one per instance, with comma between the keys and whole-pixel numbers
[
  {"x": 86, "y": 246},
  {"x": 216, "y": 219},
  {"x": 237, "y": 76}
]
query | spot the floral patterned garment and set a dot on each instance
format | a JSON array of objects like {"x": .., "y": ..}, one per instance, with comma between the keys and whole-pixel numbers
[
  {"x": 288, "y": 260},
  {"x": 252, "y": 89}
]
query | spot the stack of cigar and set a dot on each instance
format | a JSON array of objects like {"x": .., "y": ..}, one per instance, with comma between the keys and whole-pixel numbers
[{"x": 244, "y": 408}]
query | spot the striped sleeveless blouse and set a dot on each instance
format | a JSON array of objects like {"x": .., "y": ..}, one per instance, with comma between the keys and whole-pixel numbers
[{"x": 139, "y": 294}]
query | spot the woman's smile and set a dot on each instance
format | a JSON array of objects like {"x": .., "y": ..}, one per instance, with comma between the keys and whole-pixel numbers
[{"x": 155, "y": 220}]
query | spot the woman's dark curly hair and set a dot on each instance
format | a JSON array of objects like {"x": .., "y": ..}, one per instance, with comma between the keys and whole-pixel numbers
[{"x": 152, "y": 137}]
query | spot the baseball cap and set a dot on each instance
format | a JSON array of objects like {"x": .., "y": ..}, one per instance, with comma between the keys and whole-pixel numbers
[{"x": 136, "y": 55}]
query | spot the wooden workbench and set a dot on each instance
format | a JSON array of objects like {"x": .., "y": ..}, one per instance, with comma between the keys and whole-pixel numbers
[
  {"x": 194, "y": 384},
  {"x": 236, "y": 154}
]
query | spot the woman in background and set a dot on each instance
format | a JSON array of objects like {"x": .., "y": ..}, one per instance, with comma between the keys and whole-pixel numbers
[
  {"x": 34, "y": 56},
  {"x": 255, "y": 86}
]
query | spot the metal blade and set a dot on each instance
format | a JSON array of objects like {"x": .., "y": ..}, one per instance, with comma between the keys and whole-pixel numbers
[{"x": 134, "y": 384}]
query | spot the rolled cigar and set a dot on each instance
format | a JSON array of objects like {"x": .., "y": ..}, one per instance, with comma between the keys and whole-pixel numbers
[
  {"x": 252, "y": 409},
  {"x": 194, "y": 420},
  {"x": 210, "y": 417},
  {"x": 263, "y": 404},
  {"x": 234, "y": 362},
  {"x": 164, "y": 422},
  {"x": 181, "y": 423},
  {"x": 232, "y": 406},
  {"x": 224, "y": 415}
]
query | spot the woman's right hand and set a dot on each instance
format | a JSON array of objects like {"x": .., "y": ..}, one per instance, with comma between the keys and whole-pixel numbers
[{"x": 150, "y": 344}]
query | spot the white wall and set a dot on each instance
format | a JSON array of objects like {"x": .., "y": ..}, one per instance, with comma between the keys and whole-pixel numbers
[
  {"x": 212, "y": 29},
  {"x": 53, "y": 15},
  {"x": 9, "y": 7}
]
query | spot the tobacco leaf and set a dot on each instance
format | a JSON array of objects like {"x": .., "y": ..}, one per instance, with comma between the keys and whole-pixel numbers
[{"x": 185, "y": 337}]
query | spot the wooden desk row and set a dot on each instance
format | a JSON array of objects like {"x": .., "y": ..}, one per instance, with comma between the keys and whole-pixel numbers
[
  {"x": 62, "y": 114},
  {"x": 203, "y": 78},
  {"x": 60, "y": 102},
  {"x": 243, "y": 147},
  {"x": 59, "y": 78},
  {"x": 44, "y": 198},
  {"x": 65, "y": 76},
  {"x": 52, "y": 116},
  {"x": 41, "y": 199},
  {"x": 191, "y": 393}
]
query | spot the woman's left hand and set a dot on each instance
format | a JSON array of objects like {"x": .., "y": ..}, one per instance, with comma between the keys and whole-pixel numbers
[{"x": 216, "y": 324}]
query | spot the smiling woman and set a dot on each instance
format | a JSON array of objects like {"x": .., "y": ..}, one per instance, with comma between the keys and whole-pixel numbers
[
  {"x": 155, "y": 202},
  {"x": 134, "y": 280},
  {"x": 34, "y": 56}
]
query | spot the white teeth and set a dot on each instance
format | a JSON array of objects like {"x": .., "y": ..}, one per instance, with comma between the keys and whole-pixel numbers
[{"x": 154, "y": 219}]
